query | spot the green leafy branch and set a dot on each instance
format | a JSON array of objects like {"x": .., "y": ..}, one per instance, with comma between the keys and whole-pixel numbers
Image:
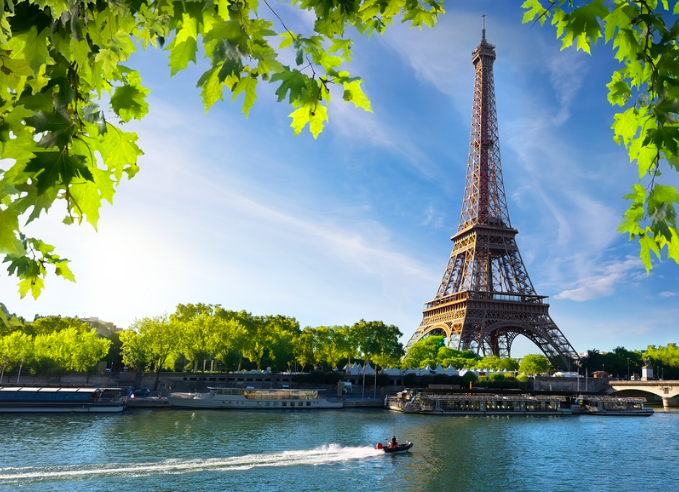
[
  {"x": 59, "y": 58},
  {"x": 647, "y": 86}
]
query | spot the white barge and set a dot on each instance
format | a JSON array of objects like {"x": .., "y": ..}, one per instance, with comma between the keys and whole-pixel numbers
[
  {"x": 477, "y": 404},
  {"x": 253, "y": 399},
  {"x": 38, "y": 399}
]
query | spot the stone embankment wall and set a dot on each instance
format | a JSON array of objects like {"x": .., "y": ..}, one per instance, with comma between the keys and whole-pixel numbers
[
  {"x": 173, "y": 381},
  {"x": 190, "y": 382}
]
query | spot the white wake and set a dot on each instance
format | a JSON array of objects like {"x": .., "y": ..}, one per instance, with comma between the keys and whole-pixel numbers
[{"x": 332, "y": 453}]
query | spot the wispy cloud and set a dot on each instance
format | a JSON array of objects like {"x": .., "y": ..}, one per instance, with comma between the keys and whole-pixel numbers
[
  {"x": 668, "y": 294},
  {"x": 604, "y": 283},
  {"x": 356, "y": 127}
]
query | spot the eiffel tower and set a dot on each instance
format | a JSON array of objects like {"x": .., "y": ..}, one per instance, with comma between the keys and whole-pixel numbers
[{"x": 486, "y": 298}]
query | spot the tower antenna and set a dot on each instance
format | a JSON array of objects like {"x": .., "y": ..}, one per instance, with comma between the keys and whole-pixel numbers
[{"x": 483, "y": 31}]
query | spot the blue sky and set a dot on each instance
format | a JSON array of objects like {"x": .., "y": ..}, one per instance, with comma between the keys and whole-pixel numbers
[{"x": 357, "y": 223}]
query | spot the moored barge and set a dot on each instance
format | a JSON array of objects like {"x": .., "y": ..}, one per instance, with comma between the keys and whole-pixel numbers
[
  {"x": 466, "y": 404},
  {"x": 611, "y": 406},
  {"x": 253, "y": 399},
  {"x": 38, "y": 399}
]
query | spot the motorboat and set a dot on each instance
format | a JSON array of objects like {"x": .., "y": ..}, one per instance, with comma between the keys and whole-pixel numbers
[{"x": 398, "y": 448}]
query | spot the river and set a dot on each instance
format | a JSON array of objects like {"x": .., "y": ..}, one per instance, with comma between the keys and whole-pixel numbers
[{"x": 184, "y": 450}]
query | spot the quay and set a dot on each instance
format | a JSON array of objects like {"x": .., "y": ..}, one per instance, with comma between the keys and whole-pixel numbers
[{"x": 656, "y": 392}]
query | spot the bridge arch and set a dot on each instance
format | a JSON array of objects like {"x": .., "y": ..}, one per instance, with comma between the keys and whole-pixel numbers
[{"x": 667, "y": 390}]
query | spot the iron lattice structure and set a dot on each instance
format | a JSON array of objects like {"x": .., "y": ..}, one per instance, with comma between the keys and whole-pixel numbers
[{"x": 486, "y": 298}]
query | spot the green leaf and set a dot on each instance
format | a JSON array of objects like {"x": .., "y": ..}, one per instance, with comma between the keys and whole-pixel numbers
[
  {"x": 34, "y": 284},
  {"x": 57, "y": 128},
  {"x": 627, "y": 125},
  {"x": 648, "y": 244},
  {"x": 182, "y": 54},
  {"x": 35, "y": 52},
  {"x": 313, "y": 113},
  {"x": 129, "y": 101},
  {"x": 63, "y": 270},
  {"x": 119, "y": 150},
  {"x": 534, "y": 9},
  {"x": 248, "y": 85},
  {"x": 9, "y": 226},
  {"x": 211, "y": 88},
  {"x": 354, "y": 93},
  {"x": 292, "y": 81},
  {"x": 57, "y": 168},
  {"x": 616, "y": 20}
]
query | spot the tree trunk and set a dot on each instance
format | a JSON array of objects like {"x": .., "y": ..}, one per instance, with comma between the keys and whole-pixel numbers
[
  {"x": 157, "y": 381},
  {"x": 375, "y": 386}
]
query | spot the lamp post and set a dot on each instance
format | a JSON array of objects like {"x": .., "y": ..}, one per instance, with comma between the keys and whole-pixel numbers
[{"x": 627, "y": 368}]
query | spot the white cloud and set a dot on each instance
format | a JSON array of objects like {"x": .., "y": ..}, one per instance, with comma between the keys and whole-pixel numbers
[
  {"x": 604, "y": 283},
  {"x": 668, "y": 294}
]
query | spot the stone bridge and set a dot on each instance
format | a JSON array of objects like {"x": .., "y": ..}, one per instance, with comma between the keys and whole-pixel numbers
[{"x": 667, "y": 390}]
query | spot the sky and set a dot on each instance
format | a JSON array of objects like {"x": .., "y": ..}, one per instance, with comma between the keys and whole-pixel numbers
[{"x": 356, "y": 224}]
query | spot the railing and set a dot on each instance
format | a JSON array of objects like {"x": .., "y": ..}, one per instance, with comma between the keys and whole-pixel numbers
[{"x": 486, "y": 296}]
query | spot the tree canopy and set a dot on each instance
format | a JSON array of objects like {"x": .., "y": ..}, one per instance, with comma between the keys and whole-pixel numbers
[{"x": 535, "y": 364}]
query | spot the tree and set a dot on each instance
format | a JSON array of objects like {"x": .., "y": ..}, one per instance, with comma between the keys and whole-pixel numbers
[
  {"x": 282, "y": 331},
  {"x": 51, "y": 324},
  {"x": 425, "y": 349},
  {"x": 197, "y": 339},
  {"x": 134, "y": 350},
  {"x": 14, "y": 348},
  {"x": 304, "y": 347},
  {"x": 60, "y": 59},
  {"x": 160, "y": 337},
  {"x": 234, "y": 338},
  {"x": 85, "y": 349},
  {"x": 664, "y": 359},
  {"x": 644, "y": 35},
  {"x": 377, "y": 342},
  {"x": 535, "y": 364}
]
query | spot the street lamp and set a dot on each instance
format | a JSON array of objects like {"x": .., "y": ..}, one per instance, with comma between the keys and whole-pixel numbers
[{"x": 627, "y": 368}]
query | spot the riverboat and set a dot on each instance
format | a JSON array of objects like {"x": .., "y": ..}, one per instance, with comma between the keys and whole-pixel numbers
[
  {"x": 38, "y": 399},
  {"x": 253, "y": 399},
  {"x": 477, "y": 404},
  {"x": 611, "y": 406}
]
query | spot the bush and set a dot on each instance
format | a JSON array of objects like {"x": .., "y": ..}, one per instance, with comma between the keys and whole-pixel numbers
[
  {"x": 496, "y": 376},
  {"x": 470, "y": 377}
]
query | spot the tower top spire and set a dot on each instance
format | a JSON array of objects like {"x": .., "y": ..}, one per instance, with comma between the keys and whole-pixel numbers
[{"x": 483, "y": 31}]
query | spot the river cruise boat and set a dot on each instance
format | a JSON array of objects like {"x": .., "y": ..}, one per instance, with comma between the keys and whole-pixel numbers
[
  {"x": 248, "y": 399},
  {"x": 477, "y": 404},
  {"x": 38, "y": 399},
  {"x": 611, "y": 406}
]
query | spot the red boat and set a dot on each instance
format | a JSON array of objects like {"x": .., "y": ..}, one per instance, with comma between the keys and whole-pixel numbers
[{"x": 398, "y": 448}]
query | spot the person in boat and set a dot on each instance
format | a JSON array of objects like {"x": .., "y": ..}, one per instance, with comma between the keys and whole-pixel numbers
[{"x": 394, "y": 442}]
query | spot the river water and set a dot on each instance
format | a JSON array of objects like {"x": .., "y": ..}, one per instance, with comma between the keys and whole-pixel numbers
[{"x": 185, "y": 450}]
